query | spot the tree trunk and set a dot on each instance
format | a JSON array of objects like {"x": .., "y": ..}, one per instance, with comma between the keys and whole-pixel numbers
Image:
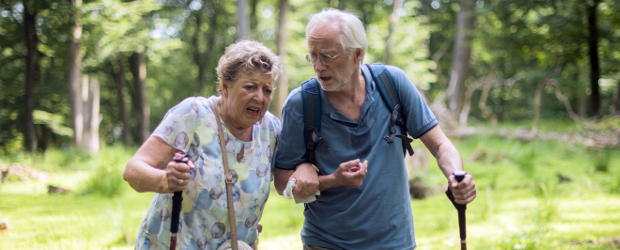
[
  {"x": 462, "y": 52},
  {"x": 595, "y": 73},
  {"x": 75, "y": 64},
  {"x": 253, "y": 19},
  {"x": 426, "y": 8},
  {"x": 121, "y": 90},
  {"x": 393, "y": 21},
  {"x": 90, "y": 102},
  {"x": 43, "y": 137},
  {"x": 31, "y": 67},
  {"x": 242, "y": 20},
  {"x": 282, "y": 88},
  {"x": 199, "y": 59},
  {"x": 616, "y": 99},
  {"x": 140, "y": 107}
]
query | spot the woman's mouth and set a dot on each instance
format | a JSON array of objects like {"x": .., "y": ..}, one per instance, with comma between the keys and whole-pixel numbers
[
  {"x": 324, "y": 78},
  {"x": 253, "y": 111}
]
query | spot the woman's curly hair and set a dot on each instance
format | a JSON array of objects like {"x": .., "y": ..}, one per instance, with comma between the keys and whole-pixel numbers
[{"x": 247, "y": 56}]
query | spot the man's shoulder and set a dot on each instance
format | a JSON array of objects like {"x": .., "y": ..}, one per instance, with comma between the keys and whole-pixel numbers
[
  {"x": 294, "y": 98},
  {"x": 395, "y": 71}
]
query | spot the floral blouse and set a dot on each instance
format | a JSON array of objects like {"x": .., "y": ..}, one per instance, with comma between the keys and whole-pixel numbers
[{"x": 191, "y": 126}]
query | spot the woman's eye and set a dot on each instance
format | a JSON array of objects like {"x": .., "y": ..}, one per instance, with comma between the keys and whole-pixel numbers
[
  {"x": 268, "y": 91},
  {"x": 249, "y": 87}
]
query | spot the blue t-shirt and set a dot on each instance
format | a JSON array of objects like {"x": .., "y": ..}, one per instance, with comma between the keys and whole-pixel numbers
[{"x": 376, "y": 215}]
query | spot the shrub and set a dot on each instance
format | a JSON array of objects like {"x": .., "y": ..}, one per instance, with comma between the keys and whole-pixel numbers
[
  {"x": 107, "y": 178},
  {"x": 601, "y": 159}
]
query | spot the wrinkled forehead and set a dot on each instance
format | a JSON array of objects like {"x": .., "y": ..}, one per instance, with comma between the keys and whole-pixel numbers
[
  {"x": 324, "y": 34},
  {"x": 256, "y": 76},
  {"x": 324, "y": 37}
]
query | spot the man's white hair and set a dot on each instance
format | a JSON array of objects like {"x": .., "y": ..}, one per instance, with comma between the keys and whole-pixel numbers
[{"x": 352, "y": 34}]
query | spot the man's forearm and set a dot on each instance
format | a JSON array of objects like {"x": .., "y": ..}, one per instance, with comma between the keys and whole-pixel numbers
[
  {"x": 327, "y": 182},
  {"x": 449, "y": 159}
]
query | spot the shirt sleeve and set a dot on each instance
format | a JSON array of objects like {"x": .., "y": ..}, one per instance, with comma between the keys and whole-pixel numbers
[
  {"x": 419, "y": 117},
  {"x": 291, "y": 148},
  {"x": 277, "y": 127},
  {"x": 179, "y": 124}
]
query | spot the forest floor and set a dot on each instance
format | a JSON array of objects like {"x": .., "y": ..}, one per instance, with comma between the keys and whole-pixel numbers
[{"x": 531, "y": 195}]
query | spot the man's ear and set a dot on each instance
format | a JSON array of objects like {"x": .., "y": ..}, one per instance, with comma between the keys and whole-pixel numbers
[{"x": 358, "y": 55}]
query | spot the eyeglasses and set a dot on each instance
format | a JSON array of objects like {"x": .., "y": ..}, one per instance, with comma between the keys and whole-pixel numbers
[{"x": 325, "y": 59}]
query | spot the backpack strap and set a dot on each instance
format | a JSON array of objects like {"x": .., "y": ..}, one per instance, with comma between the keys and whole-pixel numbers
[
  {"x": 385, "y": 85},
  {"x": 312, "y": 118}
]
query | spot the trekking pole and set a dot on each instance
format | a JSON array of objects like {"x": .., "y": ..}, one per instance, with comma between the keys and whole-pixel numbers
[
  {"x": 177, "y": 198},
  {"x": 459, "y": 175}
]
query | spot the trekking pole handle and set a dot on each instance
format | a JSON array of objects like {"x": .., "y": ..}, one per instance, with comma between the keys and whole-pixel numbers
[
  {"x": 459, "y": 176},
  {"x": 177, "y": 199}
]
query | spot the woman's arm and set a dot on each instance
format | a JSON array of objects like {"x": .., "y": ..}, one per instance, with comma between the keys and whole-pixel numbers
[{"x": 151, "y": 169}]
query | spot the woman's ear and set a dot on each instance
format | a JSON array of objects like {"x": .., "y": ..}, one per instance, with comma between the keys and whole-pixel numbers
[{"x": 224, "y": 89}]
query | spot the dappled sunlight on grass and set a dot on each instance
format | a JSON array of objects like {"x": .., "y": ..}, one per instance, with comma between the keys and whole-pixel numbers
[{"x": 551, "y": 199}]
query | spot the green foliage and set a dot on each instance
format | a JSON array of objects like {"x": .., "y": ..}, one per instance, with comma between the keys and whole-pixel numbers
[
  {"x": 107, "y": 178},
  {"x": 526, "y": 158},
  {"x": 53, "y": 121},
  {"x": 601, "y": 158},
  {"x": 511, "y": 211},
  {"x": 183, "y": 41},
  {"x": 516, "y": 242}
]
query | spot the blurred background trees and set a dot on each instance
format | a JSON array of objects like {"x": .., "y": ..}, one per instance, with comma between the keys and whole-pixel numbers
[{"x": 76, "y": 71}]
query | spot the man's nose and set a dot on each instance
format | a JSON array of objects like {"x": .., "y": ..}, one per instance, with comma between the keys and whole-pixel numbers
[{"x": 319, "y": 66}]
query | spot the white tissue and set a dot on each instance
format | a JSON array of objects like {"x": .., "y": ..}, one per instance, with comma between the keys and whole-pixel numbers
[{"x": 288, "y": 193}]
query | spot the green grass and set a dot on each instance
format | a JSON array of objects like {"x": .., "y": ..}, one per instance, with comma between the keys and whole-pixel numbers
[{"x": 521, "y": 202}]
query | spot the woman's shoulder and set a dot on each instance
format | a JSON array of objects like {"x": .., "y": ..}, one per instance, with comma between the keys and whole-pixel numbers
[
  {"x": 271, "y": 122},
  {"x": 196, "y": 104}
]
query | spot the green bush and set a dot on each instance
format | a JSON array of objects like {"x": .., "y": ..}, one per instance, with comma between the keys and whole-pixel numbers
[
  {"x": 601, "y": 159},
  {"x": 526, "y": 159},
  {"x": 107, "y": 178}
]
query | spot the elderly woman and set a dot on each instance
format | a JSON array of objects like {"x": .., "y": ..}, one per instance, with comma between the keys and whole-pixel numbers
[{"x": 246, "y": 71}]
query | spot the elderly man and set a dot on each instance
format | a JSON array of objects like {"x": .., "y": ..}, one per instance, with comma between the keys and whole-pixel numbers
[{"x": 364, "y": 201}]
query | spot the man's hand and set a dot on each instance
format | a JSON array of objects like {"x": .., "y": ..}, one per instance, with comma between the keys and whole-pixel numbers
[
  {"x": 351, "y": 173},
  {"x": 465, "y": 191},
  {"x": 307, "y": 180},
  {"x": 177, "y": 176}
]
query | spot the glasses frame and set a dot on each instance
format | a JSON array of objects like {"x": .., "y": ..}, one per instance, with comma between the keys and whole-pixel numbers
[{"x": 322, "y": 57}]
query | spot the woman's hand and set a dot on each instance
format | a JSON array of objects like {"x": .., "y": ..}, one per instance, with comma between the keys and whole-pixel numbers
[
  {"x": 177, "y": 176},
  {"x": 150, "y": 169}
]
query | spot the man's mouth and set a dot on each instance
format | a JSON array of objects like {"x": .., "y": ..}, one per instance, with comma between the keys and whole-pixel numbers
[{"x": 325, "y": 78}]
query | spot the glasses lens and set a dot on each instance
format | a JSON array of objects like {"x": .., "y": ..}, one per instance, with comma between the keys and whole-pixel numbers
[
  {"x": 326, "y": 59},
  {"x": 311, "y": 59}
]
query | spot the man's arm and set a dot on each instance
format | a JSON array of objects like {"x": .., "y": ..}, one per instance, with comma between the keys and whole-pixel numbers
[
  {"x": 449, "y": 160},
  {"x": 351, "y": 173},
  {"x": 306, "y": 176}
]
